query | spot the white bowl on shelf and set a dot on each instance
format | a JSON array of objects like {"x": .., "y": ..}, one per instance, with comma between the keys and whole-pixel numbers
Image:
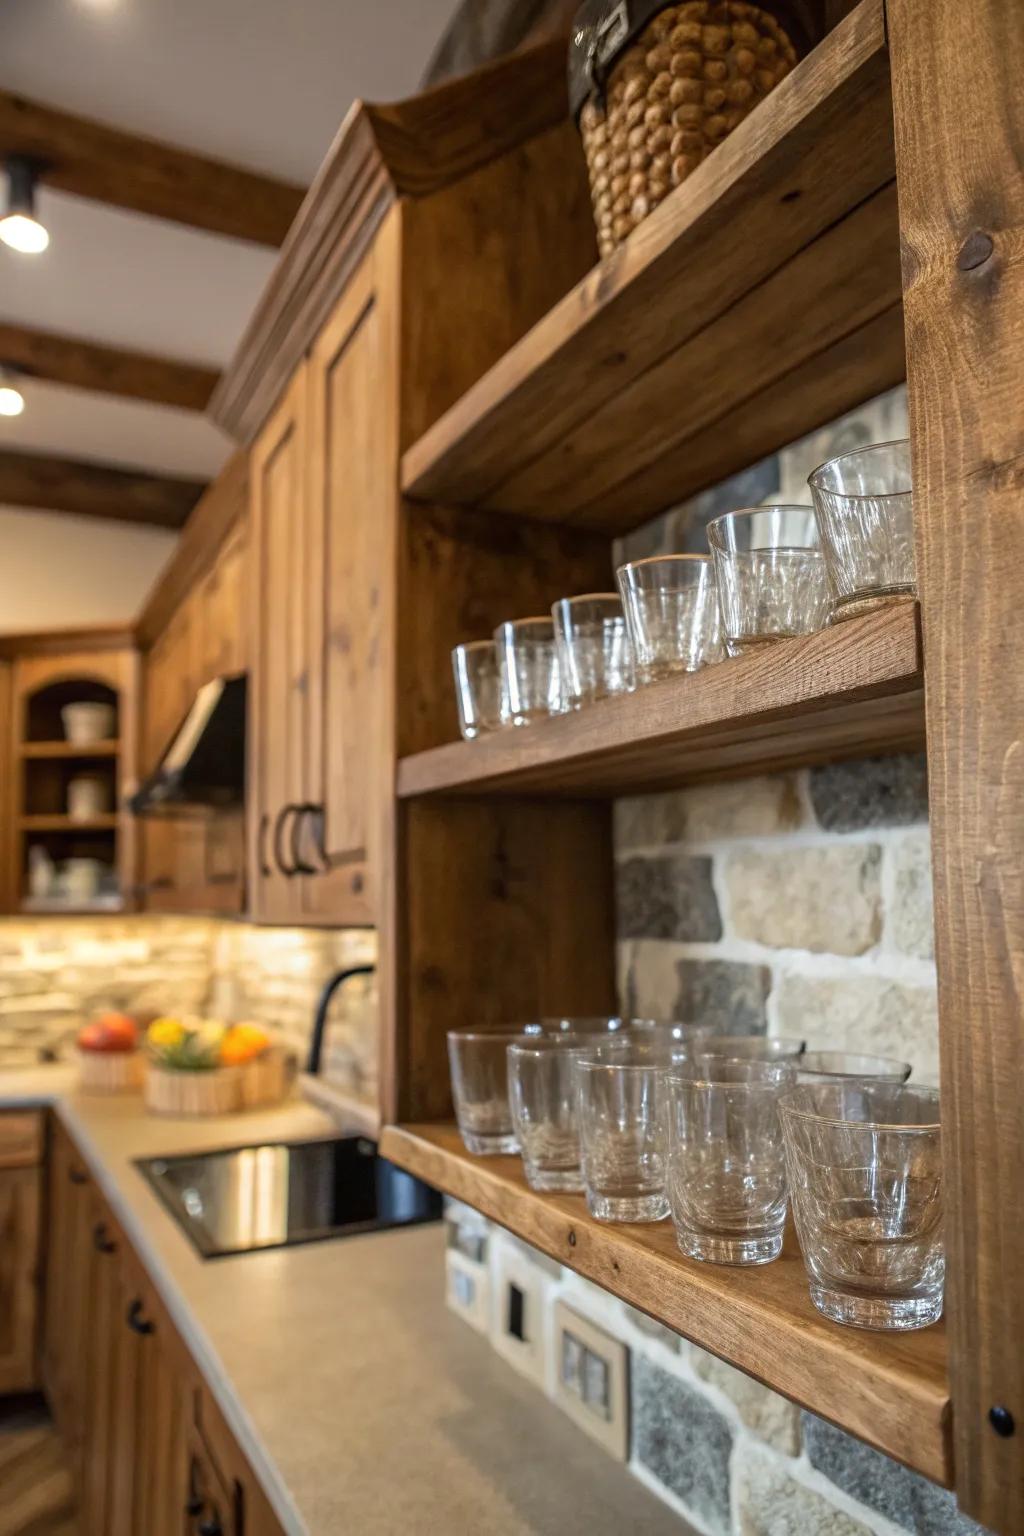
[{"x": 86, "y": 723}]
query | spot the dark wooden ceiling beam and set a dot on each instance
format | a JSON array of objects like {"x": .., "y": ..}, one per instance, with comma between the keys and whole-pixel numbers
[
  {"x": 95, "y": 490},
  {"x": 108, "y": 370},
  {"x": 145, "y": 176}
]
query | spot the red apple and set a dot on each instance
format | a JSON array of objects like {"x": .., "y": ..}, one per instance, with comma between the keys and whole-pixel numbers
[{"x": 110, "y": 1032}]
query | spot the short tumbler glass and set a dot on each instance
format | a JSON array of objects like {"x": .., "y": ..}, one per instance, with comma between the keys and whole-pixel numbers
[
  {"x": 543, "y": 1093},
  {"x": 865, "y": 509},
  {"x": 726, "y": 1165},
  {"x": 836, "y": 1066},
  {"x": 622, "y": 1114},
  {"x": 671, "y": 608},
  {"x": 531, "y": 679},
  {"x": 594, "y": 653},
  {"x": 754, "y": 1047},
  {"x": 865, "y": 1172},
  {"x": 477, "y": 687},
  {"x": 772, "y": 580},
  {"x": 478, "y": 1059}
]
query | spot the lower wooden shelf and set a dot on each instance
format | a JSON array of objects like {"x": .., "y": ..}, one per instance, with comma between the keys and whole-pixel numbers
[{"x": 891, "y": 1390}]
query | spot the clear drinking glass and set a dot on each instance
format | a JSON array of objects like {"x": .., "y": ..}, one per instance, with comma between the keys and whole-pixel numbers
[
  {"x": 531, "y": 679},
  {"x": 544, "y": 1098},
  {"x": 622, "y": 1117},
  {"x": 834, "y": 1066},
  {"x": 865, "y": 509},
  {"x": 726, "y": 1166},
  {"x": 754, "y": 1047},
  {"x": 865, "y": 1173},
  {"x": 672, "y": 615},
  {"x": 594, "y": 653},
  {"x": 477, "y": 687},
  {"x": 772, "y": 580},
  {"x": 478, "y": 1059}
]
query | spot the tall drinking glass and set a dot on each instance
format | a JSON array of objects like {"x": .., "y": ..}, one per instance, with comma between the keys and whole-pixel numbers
[
  {"x": 865, "y": 1172},
  {"x": 544, "y": 1098},
  {"x": 594, "y": 653},
  {"x": 531, "y": 679},
  {"x": 671, "y": 608},
  {"x": 477, "y": 687},
  {"x": 865, "y": 508},
  {"x": 622, "y": 1115},
  {"x": 478, "y": 1059},
  {"x": 772, "y": 581}
]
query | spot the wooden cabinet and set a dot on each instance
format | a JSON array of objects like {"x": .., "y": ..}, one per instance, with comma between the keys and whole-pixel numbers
[{"x": 20, "y": 1212}]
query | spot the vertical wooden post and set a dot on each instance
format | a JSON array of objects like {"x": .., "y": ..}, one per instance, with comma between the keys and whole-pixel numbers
[{"x": 959, "y": 108}]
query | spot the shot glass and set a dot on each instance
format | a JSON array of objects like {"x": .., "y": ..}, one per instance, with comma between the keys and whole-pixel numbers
[
  {"x": 672, "y": 615},
  {"x": 622, "y": 1119},
  {"x": 531, "y": 679},
  {"x": 477, "y": 687},
  {"x": 478, "y": 1059},
  {"x": 865, "y": 1172},
  {"x": 544, "y": 1099},
  {"x": 594, "y": 654},
  {"x": 836, "y": 1066},
  {"x": 771, "y": 574},
  {"x": 726, "y": 1166},
  {"x": 865, "y": 509},
  {"x": 754, "y": 1047}
]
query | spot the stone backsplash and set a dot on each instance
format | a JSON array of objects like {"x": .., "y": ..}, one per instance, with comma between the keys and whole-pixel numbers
[{"x": 55, "y": 973}]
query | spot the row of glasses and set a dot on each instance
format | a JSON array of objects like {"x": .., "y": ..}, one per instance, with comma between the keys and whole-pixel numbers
[
  {"x": 652, "y": 1119},
  {"x": 772, "y": 572}
]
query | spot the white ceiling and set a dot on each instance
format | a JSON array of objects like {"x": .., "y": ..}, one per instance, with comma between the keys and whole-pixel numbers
[{"x": 261, "y": 83}]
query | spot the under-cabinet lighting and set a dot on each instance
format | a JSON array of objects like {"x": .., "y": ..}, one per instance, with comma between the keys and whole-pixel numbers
[
  {"x": 12, "y": 401},
  {"x": 19, "y": 227}
]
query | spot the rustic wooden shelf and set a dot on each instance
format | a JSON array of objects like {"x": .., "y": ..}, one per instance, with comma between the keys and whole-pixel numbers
[
  {"x": 68, "y": 824},
  {"x": 889, "y": 1389},
  {"x": 851, "y": 690},
  {"x": 44, "y": 750},
  {"x": 760, "y": 300}
]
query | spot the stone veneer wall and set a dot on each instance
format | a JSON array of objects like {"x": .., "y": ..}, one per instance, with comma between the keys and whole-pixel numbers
[
  {"x": 55, "y": 973},
  {"x": 798, "y": 904}
]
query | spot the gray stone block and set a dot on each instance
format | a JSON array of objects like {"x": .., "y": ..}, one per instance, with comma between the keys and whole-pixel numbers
[
  {"x": 863, "y": 1013},
  {"x": 668, "y": 897},
  {"x": 871, "y": 792},
  {"x": 680, "y": 1437},
  {"x": 912, "y": 921},
  {"x": 774, "y": 1419},
  {"x": 729, "y": 994},
  {"x": 905, "y": 1497},
  {"x": 827, "y": 899}
]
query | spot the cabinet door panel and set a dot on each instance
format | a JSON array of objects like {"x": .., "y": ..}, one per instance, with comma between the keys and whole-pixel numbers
[
  {"x": 102, "y": 1358},
  {"x": 20, "y": 1198}
]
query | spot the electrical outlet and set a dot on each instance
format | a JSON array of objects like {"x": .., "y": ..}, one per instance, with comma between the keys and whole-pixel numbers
[
  {"x": 518, "y": 1309},
  {"x": 468, "y": 1290},
  {"x": 591, "y": 1379}
]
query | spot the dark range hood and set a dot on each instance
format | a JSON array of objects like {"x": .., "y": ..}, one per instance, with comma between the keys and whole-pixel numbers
[{"x": 204, "y": 766}]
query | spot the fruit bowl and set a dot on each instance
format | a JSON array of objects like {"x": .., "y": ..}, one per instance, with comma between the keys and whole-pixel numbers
[{"x": 109, "y": 1059}]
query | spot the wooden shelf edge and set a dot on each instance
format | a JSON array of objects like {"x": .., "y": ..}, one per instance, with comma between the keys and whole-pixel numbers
[
  {"x": 890, "y": 1390},
  {"x": 67, "y": 824},
  {"x": 855, "y": 688},
  {"x": 42, "y": 750}
]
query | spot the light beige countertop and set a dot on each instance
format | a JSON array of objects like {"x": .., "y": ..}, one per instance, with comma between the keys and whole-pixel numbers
[{"x": 361, "y": 1402}]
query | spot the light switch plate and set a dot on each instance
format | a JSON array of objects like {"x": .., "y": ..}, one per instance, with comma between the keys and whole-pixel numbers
[
  {"x": 590, "y": 1371},
  {"x": 468, "y": 1290},
  {"x": 519, "y": 1321}
]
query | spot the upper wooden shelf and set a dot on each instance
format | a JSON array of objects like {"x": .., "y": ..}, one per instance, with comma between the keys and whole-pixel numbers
[
  {"x": 889, "y": 1389},
  {"x": 760, "y": 300},
  {"x": 851, "y": 690},
  {"x": 68, "y": 749},
  {"x": 62, "y": 823}
]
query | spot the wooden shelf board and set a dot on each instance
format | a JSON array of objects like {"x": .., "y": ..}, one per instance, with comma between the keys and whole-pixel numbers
[
  {"x": 52, "y": 906},
  {"x": 68, "y": 749},
  {"x": 888, "y": 1389},
  {"x": 68, "y": 824},
  {"x": 848, "y": 691},
  {"x": 761, "y": 299}
]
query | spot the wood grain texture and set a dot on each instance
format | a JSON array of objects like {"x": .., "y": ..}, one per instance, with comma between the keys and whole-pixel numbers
[
  {"x": 95, "y": 490},
  {"x": 804, "y": 162},
  {"x": 143, "y": 175},
  {"x": 889, "y": 1390},
  {"x": 21, "y": 1139},
  {"x": 58, "y": 642},
  {"x": 847, "y": 691},
  {"x": 962, "y": 220},
  {"x": 38, "y": 1494},
  {"x": 107, "y": 370},
  {"x": 21, "y": 1199},
  {"x": 220, "y": 509},
  {"x": 381, "y": 154}
]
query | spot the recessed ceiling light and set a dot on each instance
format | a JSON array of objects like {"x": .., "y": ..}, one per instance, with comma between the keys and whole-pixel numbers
[{"x": 19, "y": 228}]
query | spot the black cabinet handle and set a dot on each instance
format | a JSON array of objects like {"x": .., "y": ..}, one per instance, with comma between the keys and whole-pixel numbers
[
  {"x": 101, "y": 1239},
  {"x": 195, "y": 1506},
  {"x": 211, "y": 1527},
  {"x": 288, "y": 870},
  {"x": 261, "y": 851},
  {"x": 135, "y": 1320},
  {"x": 302, "y": 814},
  {"x": 77, "y": 1176}
]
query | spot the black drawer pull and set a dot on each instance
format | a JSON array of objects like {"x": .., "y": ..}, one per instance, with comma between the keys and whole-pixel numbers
[
  {"x": 135, "y": 1320},
  {"x": 77, "y": 1176},
  {"x": 211, "y": 1527},
  {"x": 101, "y": 1239}
]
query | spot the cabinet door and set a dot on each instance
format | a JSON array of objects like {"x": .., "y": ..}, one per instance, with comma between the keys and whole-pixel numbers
[
  {"x": 222, "y": 643},
  {"x": 277, "y": 698},
  {"x": 67, "y": 1312},
  {"x": 20, "y": 1196},
  {"x": 351, "y": 500},
  {"x": 103, "y": 1346}
]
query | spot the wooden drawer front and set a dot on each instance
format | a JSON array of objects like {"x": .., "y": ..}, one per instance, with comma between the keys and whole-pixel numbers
[
  {"x": 21, "y": 1139},
  {"x": 213, "y": 1500}
]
